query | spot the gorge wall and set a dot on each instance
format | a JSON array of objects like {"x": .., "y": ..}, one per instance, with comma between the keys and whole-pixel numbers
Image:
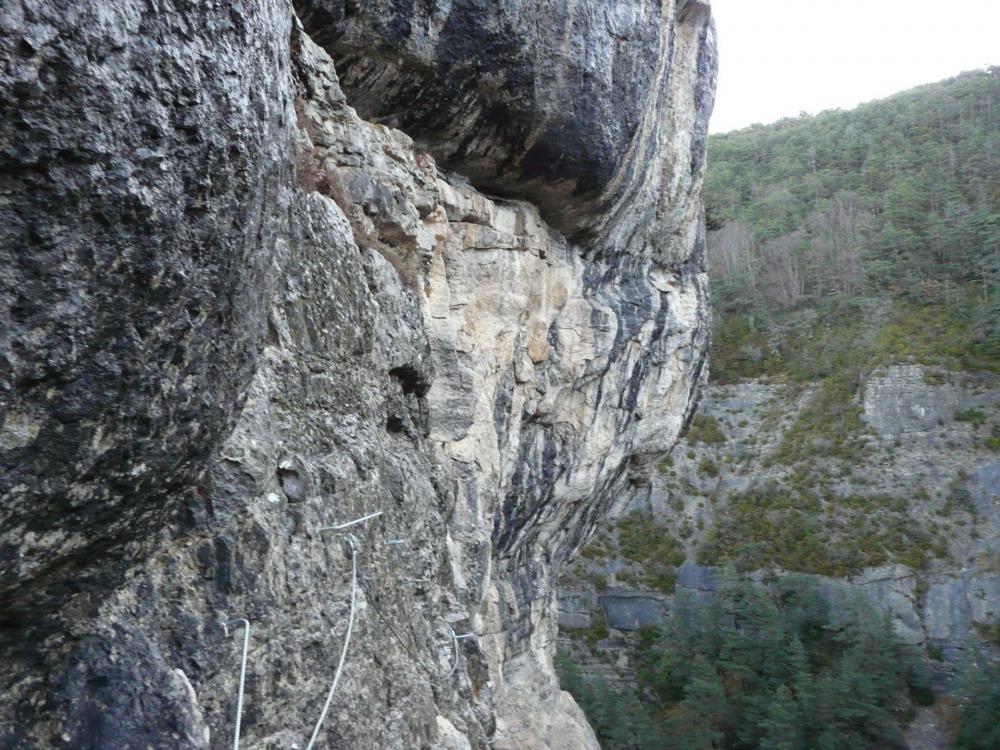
[
  {"x": 237, "y": 310},
  {"x": 910, "y": 519}
]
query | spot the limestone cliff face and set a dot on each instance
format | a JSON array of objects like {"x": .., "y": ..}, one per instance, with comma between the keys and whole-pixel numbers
[
  {"x": 571, "y": 105},
  {"x": 236, "y": 311}
]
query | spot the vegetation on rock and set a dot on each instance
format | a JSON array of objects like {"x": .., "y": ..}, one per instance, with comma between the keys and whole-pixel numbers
[
  {"x": 774, "y": 526},
  {"x": 840, "y": 245},
  {"x": 776, "y": 668},
  {"x": 650, "y": 550}
]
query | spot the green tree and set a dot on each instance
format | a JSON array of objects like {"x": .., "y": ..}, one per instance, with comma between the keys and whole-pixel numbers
[
  {"x": 700, "y": 719},
  {"x": 779, "y": 667},
  {"x": 896, "y": 200},
  {"x": 978, "y": 690},
  {"x": 633, "y": 729},
  {"x": 780, "y": 730}
]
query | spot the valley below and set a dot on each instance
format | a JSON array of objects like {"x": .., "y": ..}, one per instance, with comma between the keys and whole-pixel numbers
[{"x": 839, "y": 485}]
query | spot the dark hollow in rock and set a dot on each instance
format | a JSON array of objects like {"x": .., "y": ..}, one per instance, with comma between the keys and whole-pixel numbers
[{"x": 541, "y": 101}]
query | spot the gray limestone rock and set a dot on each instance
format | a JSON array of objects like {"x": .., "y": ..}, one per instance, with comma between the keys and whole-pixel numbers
[
  {"x": 899, "y": 399},
  {"x": 918, "y": 452},
  {"x": 568, "y": 105},
  {"x": 235, "y": 312},
  {"x": 576, "y": 608},
  {"x": 631, "y": 610},
  {"x": 146, "y": 162}
]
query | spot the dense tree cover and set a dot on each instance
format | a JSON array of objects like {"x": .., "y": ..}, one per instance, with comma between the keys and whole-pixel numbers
[
  {"x": 783, "y": 667},
  {"x": 977, "y": 691},
  {"x": 873, "y": 221},
  {"x": 619, "y": 719}
]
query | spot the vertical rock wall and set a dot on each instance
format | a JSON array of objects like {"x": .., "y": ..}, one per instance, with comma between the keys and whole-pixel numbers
[{"x": 297, "y": 318}]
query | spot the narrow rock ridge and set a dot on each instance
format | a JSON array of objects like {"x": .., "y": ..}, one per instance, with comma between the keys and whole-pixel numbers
[{"x": 302, "y": 321}]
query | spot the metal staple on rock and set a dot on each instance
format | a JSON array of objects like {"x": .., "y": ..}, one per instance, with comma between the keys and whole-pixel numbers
[
  {"x": 350, "y": 627},
  {"x": 455, "y": 639},
  {"x": 431, "y": 672},
  {"x": 243, "y": 673},
  {"x": 355, "y": 522}
]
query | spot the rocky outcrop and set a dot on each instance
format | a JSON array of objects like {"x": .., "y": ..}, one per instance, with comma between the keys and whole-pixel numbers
[
  {"x": 926, "y": 442},
  {"x": 910, "y": 399},
  {"x": 145, "y": 166},
  {"x": 570, "y": 105},
  {"x": 236, "y": 312}
]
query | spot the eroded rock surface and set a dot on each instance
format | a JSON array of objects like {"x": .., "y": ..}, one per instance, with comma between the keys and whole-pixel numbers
[
  {"x": 146, "y": 170},
  {"x": 236, "y": 312},
  {"x": 571, "y": 105}
]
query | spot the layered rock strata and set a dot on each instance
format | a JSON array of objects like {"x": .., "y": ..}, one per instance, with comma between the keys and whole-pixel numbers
[{"x": 235, "y": 313}]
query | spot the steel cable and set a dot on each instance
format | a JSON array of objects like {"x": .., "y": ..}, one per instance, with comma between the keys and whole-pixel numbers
[{"x": 347, "y": 641}]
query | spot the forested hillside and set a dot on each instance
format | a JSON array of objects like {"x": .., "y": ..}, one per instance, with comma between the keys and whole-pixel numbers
[{"x": 885, "y": 220}]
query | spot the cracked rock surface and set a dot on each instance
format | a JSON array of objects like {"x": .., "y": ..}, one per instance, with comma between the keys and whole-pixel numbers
[{"x": 235, "y": 311}]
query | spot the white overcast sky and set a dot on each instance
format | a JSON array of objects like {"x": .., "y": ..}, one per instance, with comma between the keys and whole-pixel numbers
[{"x": 781, "y": 57}]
